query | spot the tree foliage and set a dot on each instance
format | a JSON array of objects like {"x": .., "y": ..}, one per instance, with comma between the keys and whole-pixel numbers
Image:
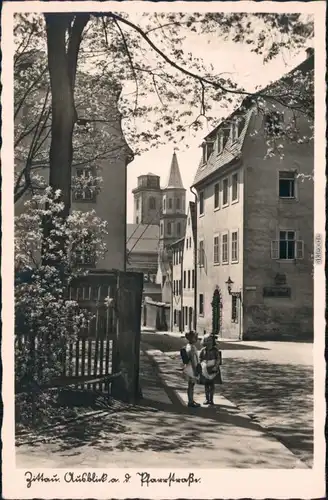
[
  {"x": 168, "y": 91},
  {"x": 45, "y": 319}
]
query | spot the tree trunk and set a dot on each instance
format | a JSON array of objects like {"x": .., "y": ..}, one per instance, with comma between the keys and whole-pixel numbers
[{"x": 63, "y": 112}]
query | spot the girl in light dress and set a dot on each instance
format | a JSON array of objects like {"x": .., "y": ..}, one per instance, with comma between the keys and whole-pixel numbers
[
  {"x": 209, "y": 358},
  {"x": 191, "y": 367}
]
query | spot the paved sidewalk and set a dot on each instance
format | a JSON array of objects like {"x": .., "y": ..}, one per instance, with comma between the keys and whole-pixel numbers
[{"x": 162, "y": 432}]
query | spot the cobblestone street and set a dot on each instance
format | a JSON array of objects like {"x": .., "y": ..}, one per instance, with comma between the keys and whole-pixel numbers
[
  {"x": 161, "y": 431},
  {"x": 270, "y": 381}
]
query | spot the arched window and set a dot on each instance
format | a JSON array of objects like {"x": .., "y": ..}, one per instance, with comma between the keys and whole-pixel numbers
[
  {"x": 170, "y": 202},
  {"x": 169, "y": 228},
  {"x": 163, "y": 204},
  {"x": 177, "y": 203},
  {"x": 152, "y": 203}
]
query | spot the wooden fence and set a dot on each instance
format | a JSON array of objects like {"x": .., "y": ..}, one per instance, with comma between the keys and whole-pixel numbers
[{"x": 110, "y": 341}]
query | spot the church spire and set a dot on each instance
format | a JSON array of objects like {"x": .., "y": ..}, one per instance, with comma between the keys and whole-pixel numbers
[{"x": 175, "y": 180}]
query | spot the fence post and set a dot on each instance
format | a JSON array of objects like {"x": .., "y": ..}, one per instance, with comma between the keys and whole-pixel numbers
[{"x": 127, "y": 352}]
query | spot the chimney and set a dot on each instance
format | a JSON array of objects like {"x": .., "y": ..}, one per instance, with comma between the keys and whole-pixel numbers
[{"x": 309, "y": 52}]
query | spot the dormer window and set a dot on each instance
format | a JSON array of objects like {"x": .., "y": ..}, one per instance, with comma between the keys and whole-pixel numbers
[
  {"x": 220, "y": 142},
  {"x": 209, "y": 149},
  {"x": 236, "y": 128}
]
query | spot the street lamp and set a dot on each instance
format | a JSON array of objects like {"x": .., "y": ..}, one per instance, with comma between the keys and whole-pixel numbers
[{"x": 229, "y": 284}]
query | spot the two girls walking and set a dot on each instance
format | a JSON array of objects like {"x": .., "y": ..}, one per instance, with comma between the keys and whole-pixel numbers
[{"x": 203, "y": 368}]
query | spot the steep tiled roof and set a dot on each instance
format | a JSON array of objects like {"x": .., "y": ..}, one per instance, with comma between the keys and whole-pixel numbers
[
  {"x": 174, "y": 180},
  {"x": 142, "y": 238},
  {"x": 233, "y": 151},
  {"x": 230, "y": 152}
]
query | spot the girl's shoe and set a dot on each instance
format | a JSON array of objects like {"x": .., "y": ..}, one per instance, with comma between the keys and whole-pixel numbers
[
  {"x": 207, "y": 402},
  {"x": 211, "y": 403},
  {"x": 193, "y": 404}
]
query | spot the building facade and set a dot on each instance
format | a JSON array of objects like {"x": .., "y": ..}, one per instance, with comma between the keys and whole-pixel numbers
[
  {"x": 172, "y": 226},
  {"x": 147, "y": 200},
  {"x": 109, "y": 202},
  {"x": 176, "y": 306},
  {"x": 255, "y": 226},
  {"x": 188, "y": 271}
]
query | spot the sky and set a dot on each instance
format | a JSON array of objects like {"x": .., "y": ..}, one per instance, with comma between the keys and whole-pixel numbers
[{"x": 248, "y": 69}]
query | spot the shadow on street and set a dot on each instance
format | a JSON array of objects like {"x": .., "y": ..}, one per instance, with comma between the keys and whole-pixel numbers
[
  {"x": 167, "y": 343},
  {"x": 280, "y": 396}
]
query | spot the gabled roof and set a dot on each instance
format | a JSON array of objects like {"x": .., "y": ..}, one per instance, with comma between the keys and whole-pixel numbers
[
  {"x": 174, "y": 180},
  {"x": 233, "y": 151},
  {"x": 142, "y": 238},
  {"x": 230, "y": 152}
]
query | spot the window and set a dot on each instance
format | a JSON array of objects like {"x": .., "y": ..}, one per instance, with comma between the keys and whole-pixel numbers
[
  {"x": 188, "y": 221},
  {"x": 164, "y": 204},
  {"x": 190, "y": 242},
  {"x": 180, "y": 287},
  {"x": 287, "y": 184},
  {"x": 178, "y": 228},
  {"x": 193, "y": 278},
  {"x": 209, "y": 149},
  {"x": 170, "y": 203},
  {"x": 152, "y": 203},
  {"x": 180, "y": 256},
  {"x": 234, "y": 309},
  {"x": 85, "y": 253},
  {"x": 177, "y": 203},
  {"x": 201, "y": 254},
  {"x": 161, "y": 228},
  {"x": 184, "y": 279},
  {"x": 203, "y": 153},
  {"x": 225, "y": 192},
  {"x": 137, "y": 204},
  {"x": 201, "y": 304},
  {"x": 163, "y": 281},
  {"x": 201, "y": 203},
  {"x": 216, "y": 250},
  {"x": 234, "y": 246},
  {"x": 216, "y": 195},
  {"x": 187, "y": 243},
  {"x": 188, "y": 279},
  {"x": 234, "y": 131},
  {"x": 220, "y": 142},
  {"x": 225, "y": 259},
  {"x": 287, "y": 247},
  {"x": 85, "y": 189},
  {"x": 234, "y": 187},
  {"x": 273, "y": 123},
  {"x": 175, "y": 316},
  {"x": 137, "y": 220},
  {"x": 169, "y": 228},
  {"x": 173, "y": 287}
]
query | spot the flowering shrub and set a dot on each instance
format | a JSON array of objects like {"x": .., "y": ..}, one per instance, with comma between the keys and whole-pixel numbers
[{"x": 45, "y": 320}]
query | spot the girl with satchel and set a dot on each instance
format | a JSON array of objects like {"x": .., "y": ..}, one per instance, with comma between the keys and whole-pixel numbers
[
  {"x": 210, "y": 360},
  {"x": 191, "y": 367}
]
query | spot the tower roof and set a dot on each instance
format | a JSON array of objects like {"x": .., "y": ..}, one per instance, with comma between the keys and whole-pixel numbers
[{"x": 175, "y": 180}]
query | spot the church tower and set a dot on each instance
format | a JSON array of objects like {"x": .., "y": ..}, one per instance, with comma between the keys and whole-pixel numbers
[
  {"x": 147, "y": 200},
  {"x": 172, "y": 225}
]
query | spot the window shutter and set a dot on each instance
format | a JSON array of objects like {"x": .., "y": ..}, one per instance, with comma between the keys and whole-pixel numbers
[
  {"x": 299, "y": 249},
  {"x": 275, "y": 249}
]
